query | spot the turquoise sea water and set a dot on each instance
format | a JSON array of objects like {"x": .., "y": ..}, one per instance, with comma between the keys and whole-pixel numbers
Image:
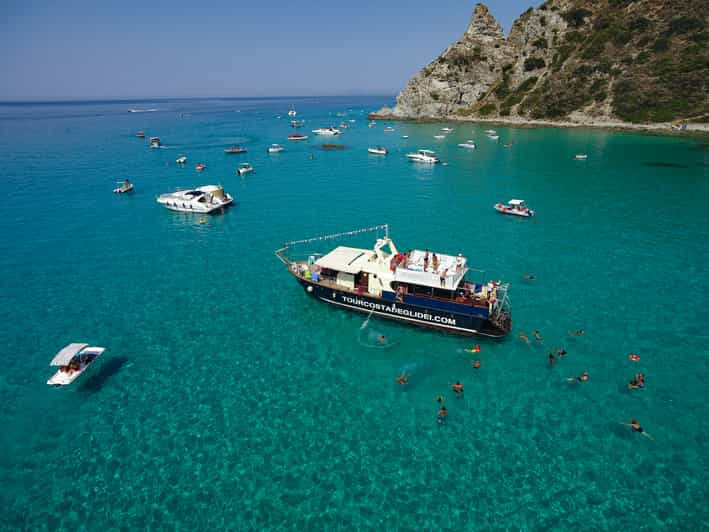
[{"x": 228, "y": 399}]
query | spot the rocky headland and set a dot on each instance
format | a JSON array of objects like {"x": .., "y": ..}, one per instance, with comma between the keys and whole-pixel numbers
[{"x": 636, "y": 64}]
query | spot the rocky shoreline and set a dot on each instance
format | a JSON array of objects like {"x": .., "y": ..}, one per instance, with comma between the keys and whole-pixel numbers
[{"x": 660, "y": 128}]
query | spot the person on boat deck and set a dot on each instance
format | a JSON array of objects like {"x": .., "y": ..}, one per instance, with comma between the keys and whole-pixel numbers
[
  {"x": 457, "y": 388},
  {"x": 425, "y": 261},
  {"x": 583, "y": 378},
  {"x": 434, "y": 262},
  {"x": 459, "y": 262},
  {"x": 444, "y": 273},
  {"x": 307, "y": 274}
]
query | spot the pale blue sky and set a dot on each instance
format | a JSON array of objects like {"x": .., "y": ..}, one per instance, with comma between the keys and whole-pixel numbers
[{"x": 157, "y": 48}]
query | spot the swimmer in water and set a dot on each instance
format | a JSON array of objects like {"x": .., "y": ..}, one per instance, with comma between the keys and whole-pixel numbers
[
  {"x": 583, "y": 378},
  {"x": 637, "y": 382},
  {"x": 476, "y": 364},
  {"x": 403, "y": 379},
  {"x": 538, "y": 336},
  {"x": 441, "y": 416},
  {"x": 637, "y": 428},
  {"x": 560, "y": 352},
  {"x": 528, "y": 277},
  {"x": 382, "y": 339},
  {"x": 552, "y": 360},
  {"x": 457, "y": 388},
  {"x": 440, "y": 399},
  {"x": 524, "y": 338},
  {"x": 580, "y": 332}
]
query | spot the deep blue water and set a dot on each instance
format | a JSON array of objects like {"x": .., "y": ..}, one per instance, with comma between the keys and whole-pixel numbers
[{"x": 228, "y": 399}]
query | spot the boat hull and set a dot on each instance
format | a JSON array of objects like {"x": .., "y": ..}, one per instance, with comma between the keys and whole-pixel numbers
[
  {"x": 443, "y": 320},
  {"x": 506, "y": 210},
  {"x": 177, "y": 206}
]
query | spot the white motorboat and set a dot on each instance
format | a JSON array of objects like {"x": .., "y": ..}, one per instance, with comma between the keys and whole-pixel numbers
[
  {"x": 424, "y": 156},
  {"x": 469, "y": 144},
  {"x": 244, "y": 168},
  {"x": 388, "y": 129},
  {"x": 292, "y": 112},
  {"x": 490, "y": 131},
  {"x": 201, "y": 200},
  {"x": 343, "y": 125},
  {"x": 154, "y": 142},
  {"x": 275, "y": 148},
  {"x": 404, "y": 136},
  {"x": 494, "y": 137},
  {"x": 371, "y": 124},
  {"x": 328, "y": 131},
  {"x": 297, "y": 136},
  {"x": 581, "y": 156},
  {"x": 377, "y": 150},
  {"x": 514, "y": 206},
  {"x": 123, "y": 187},
  {"x": 351, "y": 120},
  {"x": 447, "y": 129},
  {"x": 439, "y": 137},
  {"x": 297, "y": 123},
  {"x": 181, "y": 159},
  {"x": 73, "y": 360}
]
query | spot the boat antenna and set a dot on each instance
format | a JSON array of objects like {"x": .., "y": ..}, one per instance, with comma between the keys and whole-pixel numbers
[{"x": 386, "y": 231}]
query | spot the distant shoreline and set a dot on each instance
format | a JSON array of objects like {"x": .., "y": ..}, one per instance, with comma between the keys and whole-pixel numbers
[{"x": 661, "y": 128}]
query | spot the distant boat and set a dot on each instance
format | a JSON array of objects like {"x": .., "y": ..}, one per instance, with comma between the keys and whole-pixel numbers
[
  {"x": 404, "y": 136},
  {"x": 439, "y": 137},
  {"x": 388, "y": 129},
  {"x": 296, "y": 123},
  {"x": 73, "y": 360},
  {"x": 292, "y": 112},
  {"x": 470, "y": 144},
  {"x": 332, "y": 146},
  {"x": 493, "y": 137},
  {"x": 199, "y": 167},
  {"x": 235, "y": 150},
  {"x": 201, "y": 200},
  {"x": 155, "y": 142},
  {"x": 490, "y": 131},
  {"x": 297, "y": 136},
  {"x": 140, "y": 134},
  {"x": 343, "y": 126},
  {"x": 581, "y": 157},
  {"x": 447, "y": 129},
  {"x": 142, "y": 110},
  {"x": 123, "y": 187},
  {"x": 244, "y": 168},
  {"x": 327, "y": 131},
  {"x": 514, "y": 206},
  {"x": 371, "y": 124},
  {"x": 181, "y": 159},
  {"x": 377, "y": 150},
  {"x": 275, "y": 148},
  {"x": 424, "y": 156}
]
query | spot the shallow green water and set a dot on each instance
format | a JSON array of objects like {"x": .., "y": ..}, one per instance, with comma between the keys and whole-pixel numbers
[{"x": 229, "y": 399}]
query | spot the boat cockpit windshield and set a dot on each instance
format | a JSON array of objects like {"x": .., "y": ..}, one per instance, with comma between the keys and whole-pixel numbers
[{"x": 194, "y": 194}]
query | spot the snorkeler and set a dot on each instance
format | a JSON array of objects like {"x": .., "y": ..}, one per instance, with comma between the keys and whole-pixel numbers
[
  {"x": 538, "y": 336},
  {"x": 403, "y": 379},
  {"x": 440, "y": 399},
  {"x": 457, "y": 388},
  {"x": 552, "y": 360},
  {"x": 637, "y": 382},
  {"x": 476, "y": 364},
  {"x": 528, "y": 277},
  {"x": 583, "y": 378},
  {"x": 524, "y": 338},
  {"x": 560, "y": 352},
  {"x": 580, "y": 332},
  {"x": 441, "y": 416},
  {"x": 382, "y": 339},
  {"x": 637, "y": 428}
]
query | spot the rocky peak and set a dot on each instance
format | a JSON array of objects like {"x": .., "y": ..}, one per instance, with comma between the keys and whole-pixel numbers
[{"x": 483, "y": 25}]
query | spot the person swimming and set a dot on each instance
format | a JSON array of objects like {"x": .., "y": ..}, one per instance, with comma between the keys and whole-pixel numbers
[
  {"x": 583, "y": 378},
  {"x": 457, "y": 388},
  {"x": 476, "y": 364},
  {"x": 580, "y": 332},
  {"x": 528, "y": 277},
  {"x": 637, "y": 428},
  {"x": 403, "y": 379},
  {"x": 440, "y": 399},
  {"x": 382, "y": 339},
  {"x": 523, "y": 337},
  {"x": 552, "y": 360},
  {"x": 637, "y": 382},
  {"x": 538, "y": 336},
  {"x": 441, "y": 416},
  {"x": 560, "y": 352}
]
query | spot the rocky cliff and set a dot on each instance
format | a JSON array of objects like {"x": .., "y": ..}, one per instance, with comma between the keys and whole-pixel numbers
[{"x": 571, "y": 60}]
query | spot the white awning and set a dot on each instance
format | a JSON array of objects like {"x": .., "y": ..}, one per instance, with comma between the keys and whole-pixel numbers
[
  {"x": 64, "y": 356},
  {"x": 516, "y": 202},
  {"x": 344, "y": 259}
]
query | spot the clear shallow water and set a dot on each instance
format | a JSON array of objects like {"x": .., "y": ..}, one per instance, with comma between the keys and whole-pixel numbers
[{"x": 228, "y": 399}]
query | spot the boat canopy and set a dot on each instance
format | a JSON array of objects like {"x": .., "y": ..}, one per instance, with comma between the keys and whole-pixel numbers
[
  {"x": 345, "y": 259},
  {"x": 427, "y": 152},
  {"x": 516, "y": 202},
  {"x": 64, "y": 356}
]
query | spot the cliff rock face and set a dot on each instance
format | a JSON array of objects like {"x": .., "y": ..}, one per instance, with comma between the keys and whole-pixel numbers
[{"x": 576, "y": 60}]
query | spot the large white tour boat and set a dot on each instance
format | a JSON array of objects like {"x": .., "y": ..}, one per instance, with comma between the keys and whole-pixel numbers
[
  {"x": 417, "y": 287},
  {"x": 202, "y": 200},
  {"x": 73, "y": 360},
  {"x": 424, "y": 156},
  {"x": 327, "y": 131}
]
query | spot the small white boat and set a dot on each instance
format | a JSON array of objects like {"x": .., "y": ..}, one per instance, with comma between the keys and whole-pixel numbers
[
  {"x": 328, "y": 131},
  {"x": 181, "y": 159},
  {"x": 73, "y": 360},
  {"x": 123, "y": 187},
  {"x": 447, "y": 129},
  {"x": 154, "y": 142},
  {"x": 469, "y": 144},
  {"x": 351, "y": 120},
  {"x": 494, "y": 137},
  {"x": 377, "y": 150},
  {"x": 439, "y": 137},
  {"x": 424, "y": 156},
  {"x": 404, "y": 136},
  {"x": 297, "y": 136},
  {"x": 292, "y": 112},
  {"x": 235, "y": 150},
  {"x": 514, "y": 206},
  {"x": 343, "y": 126},
  {"x": 297, "y": 123},
  {"x": 581, "y": 156},
  {"x": 275, "y": 148},
  {"x": 371, "y": 124},
  {"x": 200, "y": 200},
  {"x": 244, "y": 168},
  {"x": 388, "y": 129},
  {"x": 491, "y": 132}
]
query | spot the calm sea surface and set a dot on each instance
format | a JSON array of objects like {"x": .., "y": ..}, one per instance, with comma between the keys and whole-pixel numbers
[{"x": 227, "y": 399}]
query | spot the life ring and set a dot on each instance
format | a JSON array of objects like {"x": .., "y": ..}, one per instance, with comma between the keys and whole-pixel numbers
[{"x": 633, "y": 357}]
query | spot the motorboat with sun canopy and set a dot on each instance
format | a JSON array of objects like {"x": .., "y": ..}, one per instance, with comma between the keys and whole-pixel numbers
[
  {"x": 202, "y": 200},
  {"x": 73, "y": 360}
]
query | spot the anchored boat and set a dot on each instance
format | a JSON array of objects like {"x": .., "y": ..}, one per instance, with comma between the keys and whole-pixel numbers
[
  {"x": 516, "y": 207},
  {"x": 417, "y": 287},
  {"x": 202, "y": 200},
  {"x": 73, "y": 360}
]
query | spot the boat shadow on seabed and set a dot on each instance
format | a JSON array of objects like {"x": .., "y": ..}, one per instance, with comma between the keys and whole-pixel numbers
[{"x": 105, "y": 372}]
